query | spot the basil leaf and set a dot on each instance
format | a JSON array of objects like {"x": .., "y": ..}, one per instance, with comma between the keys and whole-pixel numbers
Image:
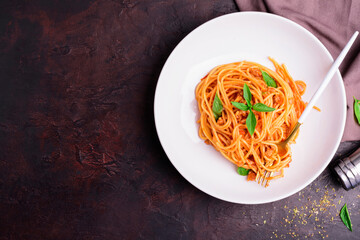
[
  {"x": 240, "y": 106},
  {"x": 357, "y": 109},
  {"x": 243, "y": 171},
  {"x": 251, "y": 122},
  {"x": 260, "y": 107},
  {"x": 268, "y": 79},
  {"x": 247, "y": 94},
  {"x": 345, "y": 217},
  {"x": 217, "y": 107},
  {"x": 216, "y": 116}
]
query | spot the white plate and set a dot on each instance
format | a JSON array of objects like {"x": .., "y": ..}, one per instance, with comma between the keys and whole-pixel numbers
[{"x": 249, "y": 36}]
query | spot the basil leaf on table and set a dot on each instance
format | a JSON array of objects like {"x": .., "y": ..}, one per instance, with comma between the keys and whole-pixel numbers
[
  {"x": 247, "y": 94},
  {"x": 357, "y": 109},
  {"x": 243, "y": 171},
  {"x": 268, "y": 79},
  {"x": 240, "y": 106},
  {"x": 251, "y": 122},
  {"x": 260, "y": 107},
  {"x": 217, "y": 107},
  {"x": 345, "y": 217}
]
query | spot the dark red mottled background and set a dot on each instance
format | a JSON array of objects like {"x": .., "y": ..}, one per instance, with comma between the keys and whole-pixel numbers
[{"x": 79, "y": 154}]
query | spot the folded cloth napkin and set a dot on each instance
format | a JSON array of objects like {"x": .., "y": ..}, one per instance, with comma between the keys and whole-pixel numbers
[{"x": 333, "y": 22}]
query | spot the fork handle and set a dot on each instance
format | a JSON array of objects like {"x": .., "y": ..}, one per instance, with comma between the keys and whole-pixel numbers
[{"x": 328, "y": 77}]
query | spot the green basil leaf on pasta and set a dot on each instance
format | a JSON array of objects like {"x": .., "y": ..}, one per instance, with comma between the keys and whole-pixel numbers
[
  {"x": 260, "y": 107},
  {"x": 268, "y": 79},
  {"x": 243, "y": 171},
  {"x": 247, "y": 94},
  {"x": 240, "y": 106},
  {"x": 251, "y": 122},
  {"x": 217, "y": 107},
  {"x": 345, "y": 217}
]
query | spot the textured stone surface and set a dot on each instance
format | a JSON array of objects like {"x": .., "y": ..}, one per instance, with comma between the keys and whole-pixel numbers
[{"x": 79, "y": 154}]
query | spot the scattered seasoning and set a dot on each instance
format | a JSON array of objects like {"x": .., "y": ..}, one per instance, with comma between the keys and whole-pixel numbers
[
  {"x": 320, "y": 213},
  {"x": 295, "y": 210}
]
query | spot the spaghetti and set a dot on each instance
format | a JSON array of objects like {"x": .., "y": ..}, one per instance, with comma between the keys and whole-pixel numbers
[{"x": 228, "y": 133}]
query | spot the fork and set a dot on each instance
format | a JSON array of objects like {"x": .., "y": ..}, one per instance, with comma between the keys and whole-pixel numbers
[{"x": 283, "y": 146}]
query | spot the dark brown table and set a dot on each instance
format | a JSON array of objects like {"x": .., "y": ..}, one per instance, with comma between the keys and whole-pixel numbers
[{"x": 79, "y": 154}]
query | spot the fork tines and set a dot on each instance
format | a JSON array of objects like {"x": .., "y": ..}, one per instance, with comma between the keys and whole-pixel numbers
[{"x": 263, "y": 179}]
